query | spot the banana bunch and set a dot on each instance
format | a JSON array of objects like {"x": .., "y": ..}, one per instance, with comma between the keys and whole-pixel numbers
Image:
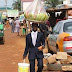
[
  {"x": 37, "y": 17},
  {"x": 43, "y": 17}
]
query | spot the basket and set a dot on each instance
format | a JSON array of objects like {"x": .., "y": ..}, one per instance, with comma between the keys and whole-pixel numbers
[{"x": 34, "y": 21}]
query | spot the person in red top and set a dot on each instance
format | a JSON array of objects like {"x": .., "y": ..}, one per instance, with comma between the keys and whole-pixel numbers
[{"x": 48, "y": 23}]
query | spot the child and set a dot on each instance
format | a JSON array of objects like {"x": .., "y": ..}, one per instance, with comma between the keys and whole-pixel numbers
[{"x": 24, "y": 27}]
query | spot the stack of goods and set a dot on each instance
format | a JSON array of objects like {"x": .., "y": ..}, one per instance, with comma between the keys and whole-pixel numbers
[
  {"x": 36, "y": 12},
  {"x": 60, "y": 62}
]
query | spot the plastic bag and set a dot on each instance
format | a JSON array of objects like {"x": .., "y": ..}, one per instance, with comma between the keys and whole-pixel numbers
[
  {"x": 47, "y": 55},
  {"x": 36, "y": 12}
]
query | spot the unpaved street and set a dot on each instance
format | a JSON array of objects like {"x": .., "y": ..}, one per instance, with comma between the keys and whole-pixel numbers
[{"x": 11, "y": 52}]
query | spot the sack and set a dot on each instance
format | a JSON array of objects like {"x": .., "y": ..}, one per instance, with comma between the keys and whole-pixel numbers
[{"x": 36, "y": 12}]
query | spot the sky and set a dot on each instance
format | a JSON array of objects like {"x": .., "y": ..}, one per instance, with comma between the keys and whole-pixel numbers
[{"x": 9, "y": 3}]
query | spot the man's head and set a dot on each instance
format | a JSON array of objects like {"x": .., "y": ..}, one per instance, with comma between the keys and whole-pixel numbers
[
  {"x": 34, "y": 26},
  {"x": 17, "y": 18}
]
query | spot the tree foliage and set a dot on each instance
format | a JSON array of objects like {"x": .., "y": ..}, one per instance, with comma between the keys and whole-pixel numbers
[
  {"x": 52, "y": 3},
  {"x": 17, "y": 5}
]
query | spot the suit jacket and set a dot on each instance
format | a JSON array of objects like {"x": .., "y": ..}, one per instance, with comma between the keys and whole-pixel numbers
[{"x": 33, "y": 50}]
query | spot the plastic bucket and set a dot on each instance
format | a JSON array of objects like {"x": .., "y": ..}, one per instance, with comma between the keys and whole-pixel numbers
[{"x": 23, "y": 67}]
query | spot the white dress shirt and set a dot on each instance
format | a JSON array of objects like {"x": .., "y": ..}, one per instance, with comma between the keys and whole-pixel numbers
[{"x": 34, "y": 37}]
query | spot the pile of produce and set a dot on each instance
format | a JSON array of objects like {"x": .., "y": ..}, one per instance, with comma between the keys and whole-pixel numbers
[
  {"x": 37, "y": 17},
  {"x": 36, "y": 12}
]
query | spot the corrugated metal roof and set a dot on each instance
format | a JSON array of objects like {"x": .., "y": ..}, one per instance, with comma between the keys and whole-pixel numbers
[{"x": 57, "y": 10}]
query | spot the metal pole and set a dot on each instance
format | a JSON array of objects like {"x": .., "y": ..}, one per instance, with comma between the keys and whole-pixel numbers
[{"x": 6, "y": 6}]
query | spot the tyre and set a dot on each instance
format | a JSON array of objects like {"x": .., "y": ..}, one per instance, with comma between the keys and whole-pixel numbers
[{"x": 3, "y": 40}]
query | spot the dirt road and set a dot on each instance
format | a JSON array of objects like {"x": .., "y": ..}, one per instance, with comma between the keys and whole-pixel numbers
[{"x": 11, "y": 52}]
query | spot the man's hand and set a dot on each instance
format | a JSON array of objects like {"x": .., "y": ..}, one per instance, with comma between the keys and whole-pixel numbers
[
  {"x": 43, "y": 30},
  {"x": 40, "y": 48},
  {"x": 24, "y": 57}
]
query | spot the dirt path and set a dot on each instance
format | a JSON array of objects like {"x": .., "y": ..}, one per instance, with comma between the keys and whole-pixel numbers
[{"x": 11, "y": 52}]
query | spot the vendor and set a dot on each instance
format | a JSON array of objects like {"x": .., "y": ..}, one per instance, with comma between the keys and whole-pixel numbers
[{"x": 35, "y": 44}]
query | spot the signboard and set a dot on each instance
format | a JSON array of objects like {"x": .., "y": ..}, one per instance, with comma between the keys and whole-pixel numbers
[{"x": 12, "y": 13}]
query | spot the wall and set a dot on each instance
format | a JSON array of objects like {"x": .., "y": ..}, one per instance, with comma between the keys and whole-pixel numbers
[
  {"x": 25, "y": 5},
  {"x": 68, "y": 2}
]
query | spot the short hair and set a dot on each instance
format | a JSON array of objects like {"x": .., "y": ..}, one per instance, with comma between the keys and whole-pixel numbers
[
  {"x": 17, "y": 18},
  {"x": 35, "y": 24}
]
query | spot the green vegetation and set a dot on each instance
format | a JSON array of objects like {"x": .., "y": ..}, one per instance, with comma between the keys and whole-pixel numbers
[
  {"x": 52, "y": 3},
  {"x": 17, "y": 5}
]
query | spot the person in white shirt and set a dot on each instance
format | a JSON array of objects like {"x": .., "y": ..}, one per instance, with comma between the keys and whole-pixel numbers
[
  {"x": 35, "y": 44},
  {"x": 10, "y": 21},
  {"x": 17, "y": 26}
]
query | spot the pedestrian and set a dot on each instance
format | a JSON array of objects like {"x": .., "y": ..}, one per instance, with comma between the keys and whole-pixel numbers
[
  {"x": 43, "y": 29},
  {"x": 48, "y": 26},
  {"x": 35, "y": 44},
  {"x": 13, "y": 26},
  {"x": 3, "y": 21},
  {"x": 7, "y": 24},
  {"x": 17, "y": 26},
  {"x": 24, "y": 27},
  {"x": 10, "y": 21}
]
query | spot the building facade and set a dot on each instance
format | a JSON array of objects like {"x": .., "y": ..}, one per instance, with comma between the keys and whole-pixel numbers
[
  {"x": 26, "y": 3},
  {"x": 69, "y": 5},
  {"x": 68, "y": 2}
]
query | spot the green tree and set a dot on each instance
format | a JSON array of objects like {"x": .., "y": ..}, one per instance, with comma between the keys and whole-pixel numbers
[
  {"x": 53, "y": 3},
  {"x": 17, "y": 5}
]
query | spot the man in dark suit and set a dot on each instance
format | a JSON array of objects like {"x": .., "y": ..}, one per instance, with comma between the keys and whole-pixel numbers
[{"x": 35, "y": 44}]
